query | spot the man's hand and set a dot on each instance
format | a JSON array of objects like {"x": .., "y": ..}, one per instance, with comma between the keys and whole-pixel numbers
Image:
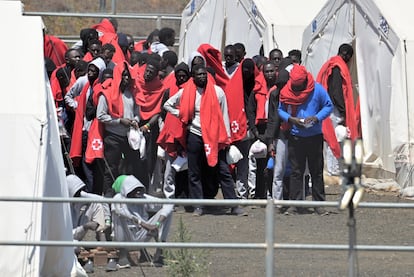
[
  {"x": 297, "y": 121},
  {"x": 126, "y": 122},
  {"x": 311, "y": 120}
]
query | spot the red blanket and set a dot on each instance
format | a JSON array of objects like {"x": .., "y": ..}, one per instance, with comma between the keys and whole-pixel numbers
[
  {"x": 350, "y": 120},
  {"x": 149, "y": 97},
  {"x": 174, "y": 130},
  {"x": 213, "y": 59},
  {"x": 109, "y": 35},
  {"x": 213, "y": 130}
]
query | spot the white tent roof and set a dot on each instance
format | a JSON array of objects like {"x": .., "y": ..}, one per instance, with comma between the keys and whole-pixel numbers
[
  {"x": 31, "y": 163},
  {"x": 382, "y": 35},
  {"x": 273, "y": 23}
]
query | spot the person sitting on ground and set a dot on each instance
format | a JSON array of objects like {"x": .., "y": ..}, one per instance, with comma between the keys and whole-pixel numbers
[
  {"x": 138, "y": 222},
  {"x": 87, "y": 216}
]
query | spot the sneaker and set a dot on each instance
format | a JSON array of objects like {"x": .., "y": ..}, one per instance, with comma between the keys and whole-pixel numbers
[
  {"x": 88, "y": 267},
  {"x": 280, "y": 209},
  {"x": 291, "y": 211},
  {"x": 321, "y": 211},
  {"x": 238, "y": 211},
  {"x": 159, "y": 262},
  {"x": 123, "y": 263},
  {"x": 111, "y": 265},
  {"x": 198, "y": 212}
]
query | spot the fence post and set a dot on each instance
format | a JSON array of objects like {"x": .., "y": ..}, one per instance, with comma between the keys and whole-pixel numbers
[{"x": 270, "y": 250}]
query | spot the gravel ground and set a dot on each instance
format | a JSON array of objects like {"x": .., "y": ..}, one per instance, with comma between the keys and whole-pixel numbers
[{"x": 374, "y": 227}]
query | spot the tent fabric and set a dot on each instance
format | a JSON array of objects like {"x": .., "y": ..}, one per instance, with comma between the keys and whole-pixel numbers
[
  {"x": 31, "y": 163},
  {"x": 275, "y": 24},
  {"x": 382, "y": 38}
]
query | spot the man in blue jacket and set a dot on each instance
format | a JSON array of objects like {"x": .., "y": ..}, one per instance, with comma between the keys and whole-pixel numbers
[{"x": 304, "y": 104}]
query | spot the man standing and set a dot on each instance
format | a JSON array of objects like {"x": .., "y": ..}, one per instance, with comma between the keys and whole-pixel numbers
[
  {"x": 202, "y": 106},
  {"x": 304, "y": 104},
  {"x": 335, "y": 77},
  {"x": 119, "y": 113},
  {"x": 230, "y": 63}
]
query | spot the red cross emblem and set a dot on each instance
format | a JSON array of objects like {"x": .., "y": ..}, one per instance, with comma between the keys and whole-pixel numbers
[
  {"x": 207, "y": 148},
  {"x": 97, "y": 144},
  {"x": 234, "y": 126}
]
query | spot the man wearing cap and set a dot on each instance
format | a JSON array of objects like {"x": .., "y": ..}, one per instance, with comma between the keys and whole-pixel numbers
[{"x": 304, "y": 104}]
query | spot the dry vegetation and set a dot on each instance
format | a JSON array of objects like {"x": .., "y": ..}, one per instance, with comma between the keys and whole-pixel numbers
[{"x": 70, "y": 26}]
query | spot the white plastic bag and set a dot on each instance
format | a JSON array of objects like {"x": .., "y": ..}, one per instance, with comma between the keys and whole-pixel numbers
[
  {"x": 160, "y": 153},
  {"x": 134, "y": 138},
  {"x": 341, "y": 133},
  {"x": 258, "y": 149},
  {"x": 233, "y": 155},
  {"x": 180, "y": 164},
  {"x": 142, "y": 146}
]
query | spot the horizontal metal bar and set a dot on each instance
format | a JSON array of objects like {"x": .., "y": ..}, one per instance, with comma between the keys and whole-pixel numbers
[
  {"x": 103, "y": 15},
  {"x": 207, "y": 202},
  {"x": 281, "y": 246}
]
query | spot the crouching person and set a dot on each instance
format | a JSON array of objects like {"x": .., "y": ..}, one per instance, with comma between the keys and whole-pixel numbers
[
  {"x": 85, "y": 215},
  {"x": 138, "y": 222}
]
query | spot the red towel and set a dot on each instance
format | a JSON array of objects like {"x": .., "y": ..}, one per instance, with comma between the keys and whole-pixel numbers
[
  {"x": 350, "y": 120},
  {"x": 149, "y": 97},
  {"x": 213, "y": 130},
  {"x": 174, "y": 131},
  {"x": 213, "y": 59}
]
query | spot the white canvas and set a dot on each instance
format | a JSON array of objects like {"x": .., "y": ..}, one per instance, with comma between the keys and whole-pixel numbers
[
  {"x": 381, "y": 34},
  {"x": 273, "y": 23},
  {"x": 31, "y": 163}
]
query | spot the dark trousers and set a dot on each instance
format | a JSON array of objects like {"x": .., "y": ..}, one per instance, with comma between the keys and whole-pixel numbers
[
  {"x": 242, "y": 166},
  {"x": 92, "y": 172},
  {"x": 115, "y": 148},
  {"x": 198, "y": 167},
  {"x": 151, "y": 147},
  {"x": 261, "y": 187},
  {"x": 300, "y": 149}
]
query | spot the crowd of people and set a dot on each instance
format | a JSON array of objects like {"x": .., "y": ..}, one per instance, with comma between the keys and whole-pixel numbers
[{"x": 136, "y": 123}]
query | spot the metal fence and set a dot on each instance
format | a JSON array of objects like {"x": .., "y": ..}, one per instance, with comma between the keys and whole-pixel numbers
[
  {"x": 269, "y": 244},
  {"x": 159, "y": 19}
]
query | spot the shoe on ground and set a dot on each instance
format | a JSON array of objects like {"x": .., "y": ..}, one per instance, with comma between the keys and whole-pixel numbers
[
  {"x": 280, "y": 210},
  {"x": 123, "y": 263},
  {"x": 291, "y": 211},
  {"x": 88, "y": 267},
  {"x": 238, "y": 211},
  {"x": 198, "y": 212},
  {"x": 321, "y": 211},
  {"x": 159, "y": 261},
  {"x": 111, "y": 265}
]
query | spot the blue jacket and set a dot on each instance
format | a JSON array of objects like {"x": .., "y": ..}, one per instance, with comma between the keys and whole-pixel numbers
[{"x": 318, "y": 104}]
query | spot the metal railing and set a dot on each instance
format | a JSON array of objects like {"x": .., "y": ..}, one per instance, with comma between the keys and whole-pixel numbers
[
  {"x": 158, "y": 18},
  {"x": 269, "y": 245}
]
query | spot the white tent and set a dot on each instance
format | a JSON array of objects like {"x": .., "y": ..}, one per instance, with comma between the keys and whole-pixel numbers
[
  {"x": 382, "y": 35},
  {"x": 273, "y": 23},
  {"x": 31, "y": 164}
]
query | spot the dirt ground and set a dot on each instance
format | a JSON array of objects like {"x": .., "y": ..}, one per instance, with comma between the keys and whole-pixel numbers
[{"x": 393, "y": 227}]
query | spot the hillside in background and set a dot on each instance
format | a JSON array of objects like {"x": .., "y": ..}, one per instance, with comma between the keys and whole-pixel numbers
[{"x": 70, "y": 26}]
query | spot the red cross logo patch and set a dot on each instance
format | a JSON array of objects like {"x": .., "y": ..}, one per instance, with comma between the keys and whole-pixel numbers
[
  {"x": 97, "y": 144},
  {"x": 207, "y": 148},
  {"x": 234, "y": 126}
]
